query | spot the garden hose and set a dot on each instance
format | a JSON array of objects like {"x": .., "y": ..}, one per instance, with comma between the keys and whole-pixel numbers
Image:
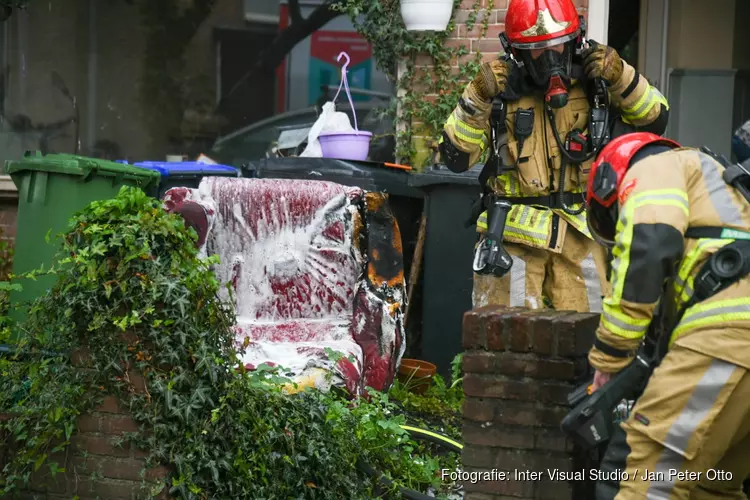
[
  {"x": 433, "y": 437},
  {"x": 421, "y": 435}
]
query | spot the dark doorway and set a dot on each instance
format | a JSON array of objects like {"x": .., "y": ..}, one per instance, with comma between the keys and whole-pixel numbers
[
  {"x": 237, "y": 52},
  {"x": 624, "y": 18}
]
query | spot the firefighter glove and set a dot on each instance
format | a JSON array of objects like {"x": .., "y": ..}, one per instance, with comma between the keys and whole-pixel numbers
[
  {"x": 491, "y": 79},
  {"x": 601, "y": 61}
]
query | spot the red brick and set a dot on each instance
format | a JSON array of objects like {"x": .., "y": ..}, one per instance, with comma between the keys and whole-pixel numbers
[
  {"x": 43, "y": 480},
  {"x": 500, "y": 13},
  {"x": 515, "y": 365},
  {"x": 554, "y": 393},
  {"x": 552, "y": 440},
  {"x": 106, "y": 488},
  {"x": 493, "y": 29},
  {"x": 576, "y": 333},
  {"x": 423, "y": 60},
  {"x": 479, "y": 456},
  {"x": 500, "y": 325},
  {"x": 471, "y": 4},
  {"x": 477, "y": 409},
  {"x": 157, "y": 473},
  {"x": 110, "y": 405},
  {"x": 493, "y": 386},
  {"x": 490, "y": 56},
  {"x": 127, "y": 468},
  {"x": 507, "y": 488},
  {"x": 137, "y": 381},
  {"x": 553, "y": 490},
  {"x": 551, "y": 416},
  {"x": 542, "y": 332},
  {"x": 510, "y": 459},
  {"x": 519, "y": 332},
  {"x": 454, "y": 43},
  {"x": 495, "y": 332},
  {"x": 462, "y": 16},
  {"x": 478, "y": 362},
  {"x": 543, "y": 460},
  {"x": 81, "y": 357},
  {"x": 486, "y": 45},
  {"x": 516, "y": 413},
  {"x": 462, "y": 63},
  {"x": 116, "y": 425},
  {"x": 473, "y": 330},
  {"x": 550, "y": 369},
  {"x": 498, "y": 436},
  {"x": 100, "y": 445},
  {"x": 89, "y": 423}
]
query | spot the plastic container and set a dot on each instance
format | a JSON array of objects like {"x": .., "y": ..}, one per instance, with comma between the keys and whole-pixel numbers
[
  {"x": 346, "y": 146},
  {"x": 51, "y": 189},
  {"x": 185, "y": 173},
  {"x": 416, "y": 374}
]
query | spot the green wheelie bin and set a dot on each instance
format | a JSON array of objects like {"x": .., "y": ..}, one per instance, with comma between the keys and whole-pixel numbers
[{"x": 51, "y": 188}]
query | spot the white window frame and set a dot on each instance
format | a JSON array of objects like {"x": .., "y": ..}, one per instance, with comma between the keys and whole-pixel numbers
[{"x": 598, "y": 21}]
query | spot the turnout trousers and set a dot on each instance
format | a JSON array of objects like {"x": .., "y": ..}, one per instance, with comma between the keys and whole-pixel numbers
[
  {"x": 688, "y": 435},
  {"x": 572, "y": 280}
]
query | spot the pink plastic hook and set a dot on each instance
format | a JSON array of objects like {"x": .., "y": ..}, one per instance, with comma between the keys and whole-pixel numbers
[
  {"x": 345, "y": 83},
  {"x": 345, "y": 56}
]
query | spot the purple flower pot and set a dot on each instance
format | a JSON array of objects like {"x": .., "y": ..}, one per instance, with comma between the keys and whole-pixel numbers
[{"x": 354, "y": 145}]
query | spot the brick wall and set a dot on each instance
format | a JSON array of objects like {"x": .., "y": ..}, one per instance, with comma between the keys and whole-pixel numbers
[
  {"x": 519, "y": 367},
  {"x": 99, "y": 463},
  {"x": 96, "y": 463}
]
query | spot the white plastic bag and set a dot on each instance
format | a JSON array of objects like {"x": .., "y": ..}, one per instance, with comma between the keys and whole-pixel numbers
[{"x": 329, "y": 120}]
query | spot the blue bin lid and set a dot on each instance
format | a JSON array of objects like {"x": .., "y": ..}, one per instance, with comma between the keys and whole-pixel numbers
[{"x": 166, "y": 168}]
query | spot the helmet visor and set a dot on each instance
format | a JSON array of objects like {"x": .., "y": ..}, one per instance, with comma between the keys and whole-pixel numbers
[{"x": 602, "y": 223}]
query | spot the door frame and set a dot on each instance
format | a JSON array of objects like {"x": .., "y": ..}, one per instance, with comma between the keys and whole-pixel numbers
[{"x": 653, "y": 34}]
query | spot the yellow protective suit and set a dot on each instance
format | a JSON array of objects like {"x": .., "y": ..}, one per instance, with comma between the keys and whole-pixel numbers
[
  {"x": 694, "y": 415},
  {"x": 554, "y": 245}
]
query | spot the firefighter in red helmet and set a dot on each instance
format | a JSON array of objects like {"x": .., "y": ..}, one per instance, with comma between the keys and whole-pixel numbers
[
  {"x": 541, "y": 113},
  {"x": 678, "y": 222}
]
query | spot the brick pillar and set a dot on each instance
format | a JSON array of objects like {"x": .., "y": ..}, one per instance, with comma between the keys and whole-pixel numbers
[{"x": 519, "y": 367}]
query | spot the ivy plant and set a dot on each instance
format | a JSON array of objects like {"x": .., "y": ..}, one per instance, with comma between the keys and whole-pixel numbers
[
  {"x": 423, "y": 68},
  {"x": 136, "y": 313}
]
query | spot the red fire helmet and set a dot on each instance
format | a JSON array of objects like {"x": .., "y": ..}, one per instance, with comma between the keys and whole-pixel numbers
[
  {"x": 535, "y": 24},
  {"x": 606, "y": 176}
]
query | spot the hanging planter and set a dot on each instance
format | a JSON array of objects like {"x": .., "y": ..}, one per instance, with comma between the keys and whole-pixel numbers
[{"x": 426, "y": 15}]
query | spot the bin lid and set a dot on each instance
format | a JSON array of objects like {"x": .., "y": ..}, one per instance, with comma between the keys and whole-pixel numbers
[
  {"x": 183, "y": 168},
  {"x": 372, "y": 176},
  {"x": 68, "y": 164},
  {"x": 440, "y": 175}
]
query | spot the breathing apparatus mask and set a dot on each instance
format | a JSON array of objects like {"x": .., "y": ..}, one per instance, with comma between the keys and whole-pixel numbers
[{"x": 551, "y": 70}]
